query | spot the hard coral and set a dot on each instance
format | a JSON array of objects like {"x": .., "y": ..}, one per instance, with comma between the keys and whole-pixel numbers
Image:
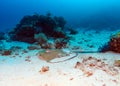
[
  {"x": 113, "y": 44},
  {"x": 60, "y": 21},
  {"x": 47, "y": 46},
  {"x": 35, "y": 24},
  {"x": 59, "y": 33},
  {"x": 104, "y": 48},
  {"x": 23, "y": 33},
  {"x": 60, "y": 43},
  {"x": 41, "y": 38}
]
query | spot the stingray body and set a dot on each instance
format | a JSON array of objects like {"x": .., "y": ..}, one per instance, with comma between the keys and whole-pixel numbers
[{"x": 76, "y": 54}]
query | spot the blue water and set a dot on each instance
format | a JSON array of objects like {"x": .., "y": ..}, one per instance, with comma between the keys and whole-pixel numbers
[{"x": 78, "y": 13}]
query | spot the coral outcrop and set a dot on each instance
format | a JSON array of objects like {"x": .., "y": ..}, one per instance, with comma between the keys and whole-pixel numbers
[
  {"x": 60, "y": 43},
  {"x": 31, "y": 25},
  {"x": 23, "y": 33},
  {"x": 39, "y": 28},
  {"x": 113, "y": 44}
]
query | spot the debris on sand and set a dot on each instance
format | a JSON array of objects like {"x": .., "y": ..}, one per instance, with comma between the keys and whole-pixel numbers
[
  {"x": 6, "y": 52},
  {"x": 90, "y": 64},
  {"x": 44, "y": 69}
]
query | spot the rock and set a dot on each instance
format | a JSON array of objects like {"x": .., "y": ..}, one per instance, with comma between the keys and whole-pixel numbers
[
  {"x": 6, "y": 52},
  {"x": 113, "y": 44}
]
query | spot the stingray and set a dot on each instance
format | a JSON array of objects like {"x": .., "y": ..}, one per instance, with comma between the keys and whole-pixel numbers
[{"x": 76, "y": 54}]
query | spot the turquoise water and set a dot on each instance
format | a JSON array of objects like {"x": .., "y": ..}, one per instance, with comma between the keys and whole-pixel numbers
[{"x": 78, "y": 13}]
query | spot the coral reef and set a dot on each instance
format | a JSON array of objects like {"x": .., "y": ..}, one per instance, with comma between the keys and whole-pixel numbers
[
  {"x": 117, "y": 35},
  {"x": 104, "y": 48},
  {"x": 72, "y": 31},
  {"x": 23, "y": 33},
  {"x": 58, "y": 33},
  {"x": 2, "y": 35},
  {"x": 39, "y": 29},
  {"x": 41, "y": 38},
  {"x": 60, "y": 43},
  {"x": 113, "y": 44}
]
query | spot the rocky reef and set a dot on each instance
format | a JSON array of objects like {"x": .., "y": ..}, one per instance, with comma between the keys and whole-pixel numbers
[{"x": 40, "y": 28}]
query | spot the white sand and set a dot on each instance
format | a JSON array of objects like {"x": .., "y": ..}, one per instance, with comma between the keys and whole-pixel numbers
[
  {"x": 15, "y": 71},
  {"x": 26, "y": 73}
]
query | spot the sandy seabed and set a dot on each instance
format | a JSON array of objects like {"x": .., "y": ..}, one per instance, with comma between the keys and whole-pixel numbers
[
  {"x": 29, "y": 72},
  {"x": 86, "y": 69}
]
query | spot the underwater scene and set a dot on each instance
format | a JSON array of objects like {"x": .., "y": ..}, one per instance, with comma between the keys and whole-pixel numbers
[{"x": 59, "y": 43}]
